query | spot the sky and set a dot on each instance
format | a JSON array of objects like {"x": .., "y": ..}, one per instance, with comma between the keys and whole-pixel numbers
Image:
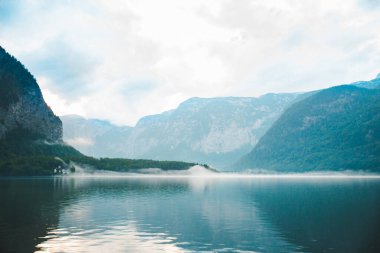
[{"x": 120, "y": 60}]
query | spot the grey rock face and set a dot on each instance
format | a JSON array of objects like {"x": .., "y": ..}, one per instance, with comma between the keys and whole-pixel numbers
[
  {"x": 22, "y": 102},
  {"x": 33, "y": 114},
  {"x": 207, "y": 130},
  {"x": 216, "y": 131}
]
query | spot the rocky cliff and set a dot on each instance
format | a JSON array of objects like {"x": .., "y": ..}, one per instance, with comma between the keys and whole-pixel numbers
[{"x": 22, "y": 104}]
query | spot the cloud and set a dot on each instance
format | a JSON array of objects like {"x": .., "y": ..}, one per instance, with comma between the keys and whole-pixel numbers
[
  {"x": 369, "y": 4},
  {"x": 67, "y": 71},
  {"x": 138, "y": 87},
  {"x": 79, "y": 141},
  {"x": 120, "y": 60}
]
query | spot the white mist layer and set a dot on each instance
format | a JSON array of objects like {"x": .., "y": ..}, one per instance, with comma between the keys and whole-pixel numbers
[
  {"x": 201, "y": 171},
  {"x": 197, "y": 170}
]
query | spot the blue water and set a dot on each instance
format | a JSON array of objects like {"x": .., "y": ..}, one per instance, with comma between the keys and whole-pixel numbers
[{"x": 190, "y": 215}]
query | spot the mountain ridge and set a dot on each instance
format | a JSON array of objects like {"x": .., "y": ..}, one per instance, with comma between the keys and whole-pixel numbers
[
  {"x": 335, "y": 129},
  {"x": 215, "y": 131}
]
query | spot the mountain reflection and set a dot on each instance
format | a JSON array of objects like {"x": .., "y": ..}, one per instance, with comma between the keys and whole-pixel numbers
[
  {"x": 29, "y": 208},
  {"x": 189, "y": 214},
  {"x": 158, "y": 214},
  {"x": 329, "y": 215}
]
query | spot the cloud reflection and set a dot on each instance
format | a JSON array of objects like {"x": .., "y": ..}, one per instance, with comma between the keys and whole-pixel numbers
[
  {"x": 123, "y": 237},
  {"x": 161, "y": 215}
]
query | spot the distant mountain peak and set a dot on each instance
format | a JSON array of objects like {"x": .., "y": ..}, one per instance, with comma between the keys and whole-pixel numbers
[{"x": 378, "y": 76}]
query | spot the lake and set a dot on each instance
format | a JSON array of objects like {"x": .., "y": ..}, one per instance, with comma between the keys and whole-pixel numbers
[{"x": 195, "y": 214}]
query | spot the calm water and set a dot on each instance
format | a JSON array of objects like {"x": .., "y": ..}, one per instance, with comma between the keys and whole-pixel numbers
[{"x": 187, "y": 215}]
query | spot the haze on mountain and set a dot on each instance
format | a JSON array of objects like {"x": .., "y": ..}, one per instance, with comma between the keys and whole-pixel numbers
[
  {"x": 219, "y": 131},
  {"x": 119, "y": 61},
  {"x": 332, "y": 129},
  {"x": 214, "y": 131},
  {"x": 335, "y": 129},
  {"x": 31, "y": 134}
]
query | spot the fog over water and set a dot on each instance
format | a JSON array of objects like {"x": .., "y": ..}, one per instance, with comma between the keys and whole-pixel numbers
[{"x": 201, "y": 171}]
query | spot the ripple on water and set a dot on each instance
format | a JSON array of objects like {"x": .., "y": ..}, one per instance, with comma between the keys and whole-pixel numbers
[
  {"x": 187, "y": 215},
  {"x": 113, "y": 238}
]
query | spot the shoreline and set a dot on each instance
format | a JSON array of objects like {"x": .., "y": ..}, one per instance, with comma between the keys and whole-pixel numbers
[{"x": 107, "y": 175}]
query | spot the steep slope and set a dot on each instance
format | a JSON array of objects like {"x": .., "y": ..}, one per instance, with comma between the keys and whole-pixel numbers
[
  {"x": 335, "y": 129},
  {"x": 215, "y": 131},
  {"x": 30, "y": 133},
  {"x": 21, "y": 102}
]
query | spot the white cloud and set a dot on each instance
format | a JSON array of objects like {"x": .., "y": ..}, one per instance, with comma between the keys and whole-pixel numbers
[
  {"x": 120, "y": 60},
  {"x": 82, "y": 142}
]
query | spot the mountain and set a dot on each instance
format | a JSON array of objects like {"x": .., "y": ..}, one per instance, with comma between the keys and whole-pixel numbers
[
  {"x": 21, "y": 102},
  {"x": 94, "y": 137},
  {"x": 31, "y": 135},
  {"x": 335, "y": 129},
  {"x": 216, "y": 131}
]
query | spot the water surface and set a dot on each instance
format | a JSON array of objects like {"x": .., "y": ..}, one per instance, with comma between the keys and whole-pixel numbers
[{"x": 190, "y": 215}]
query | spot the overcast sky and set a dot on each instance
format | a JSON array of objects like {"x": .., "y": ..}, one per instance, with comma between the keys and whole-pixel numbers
[{"x": 123, "y": 59}]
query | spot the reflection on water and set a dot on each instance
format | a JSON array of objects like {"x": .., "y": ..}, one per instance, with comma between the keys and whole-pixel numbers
[
  {"x": 186, "y": 215},
  {"x": 117, "y": 237}
]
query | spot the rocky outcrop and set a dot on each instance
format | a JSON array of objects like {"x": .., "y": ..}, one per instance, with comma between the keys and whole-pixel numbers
[{"x": 22, "y": 104}]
